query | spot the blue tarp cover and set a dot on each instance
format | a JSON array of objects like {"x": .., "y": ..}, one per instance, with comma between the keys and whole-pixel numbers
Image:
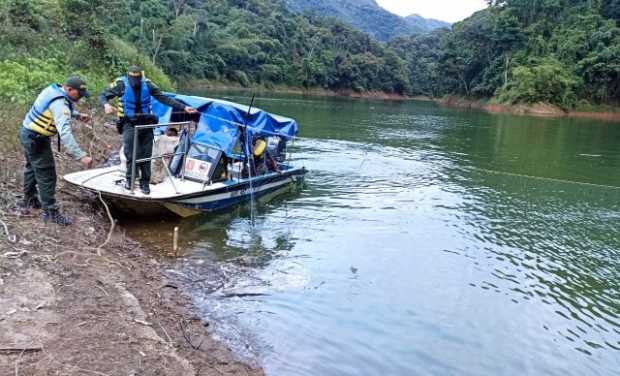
[{"x": 220, "y": 120}]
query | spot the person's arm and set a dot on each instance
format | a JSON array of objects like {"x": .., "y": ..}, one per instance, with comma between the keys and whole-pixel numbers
[
  {"x": 62, "y": 119},
  {"x": 116, "y": 90},
  {"x": 75, "y": 114},
  {"x": 156, "y": 93}
]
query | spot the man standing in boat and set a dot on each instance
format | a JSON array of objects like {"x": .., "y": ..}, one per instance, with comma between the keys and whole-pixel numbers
[
  {"x": 50, "y": 115},
  {"x": 135, "y": 93}
]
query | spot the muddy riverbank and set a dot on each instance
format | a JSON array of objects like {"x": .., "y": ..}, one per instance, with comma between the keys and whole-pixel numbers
[
  {"x": 205, "y": 86},
  {"x": 537, "y": 109},
  {"x": 607, "y": 113},
  {"x": 74, "y": 301}
]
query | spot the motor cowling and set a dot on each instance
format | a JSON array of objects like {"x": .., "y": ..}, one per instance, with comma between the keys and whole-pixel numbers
[{"x": 276, "y": 147}]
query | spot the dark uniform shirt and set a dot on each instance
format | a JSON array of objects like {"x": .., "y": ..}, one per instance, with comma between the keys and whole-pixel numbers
[{"x": 118, "y": 90}]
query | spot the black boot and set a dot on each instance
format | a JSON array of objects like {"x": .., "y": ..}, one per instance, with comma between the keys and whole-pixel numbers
[
  {"x": 145, "y": 188},
  {"x": 30, "y": 202},
  {"x": 53, "y": 215}
]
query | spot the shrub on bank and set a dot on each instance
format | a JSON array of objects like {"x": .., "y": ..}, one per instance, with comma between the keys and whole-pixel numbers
[
  {"x": 546, "y": 81},
  {"x": 22, "y": 78}
]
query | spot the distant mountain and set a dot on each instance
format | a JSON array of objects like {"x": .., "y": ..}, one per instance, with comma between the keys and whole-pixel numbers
[
  {"x": 427, "y": 24},
  {"x": 368, "y": 16}
]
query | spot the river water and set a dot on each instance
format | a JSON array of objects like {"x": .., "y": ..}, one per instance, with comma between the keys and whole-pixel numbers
[{"x": 427, "y": 241}]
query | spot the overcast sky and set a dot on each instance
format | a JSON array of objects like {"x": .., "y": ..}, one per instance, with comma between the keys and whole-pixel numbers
[{"x": 445, "y": 10}]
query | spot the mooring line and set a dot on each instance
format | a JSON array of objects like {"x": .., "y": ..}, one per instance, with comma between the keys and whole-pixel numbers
[
  {"x": 555, "y": 180},
  {"x": 10, "y": 237}
]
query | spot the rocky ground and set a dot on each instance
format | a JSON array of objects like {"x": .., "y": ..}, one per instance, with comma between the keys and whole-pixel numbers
[{"x": 82, "y": 300}]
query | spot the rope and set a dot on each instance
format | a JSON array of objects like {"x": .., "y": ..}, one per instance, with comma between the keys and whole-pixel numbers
[
  {"x": 112, "y": 225},
  {"x": 9, "y": 237},
  {"x": 249, "y": 152},
  {"x": 555, "y": 180}
]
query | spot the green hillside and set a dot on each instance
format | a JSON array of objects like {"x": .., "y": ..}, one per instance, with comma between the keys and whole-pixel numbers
[
  {"x": 249, "y": 42},
  {"x": 564, "y": 52}
]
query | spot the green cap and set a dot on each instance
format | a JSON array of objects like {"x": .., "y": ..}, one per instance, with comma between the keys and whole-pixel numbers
[{"x": 78, "y": 84}]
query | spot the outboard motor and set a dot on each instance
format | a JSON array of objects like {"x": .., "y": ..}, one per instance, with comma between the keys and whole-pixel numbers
[{"x": 276, "y": 147}]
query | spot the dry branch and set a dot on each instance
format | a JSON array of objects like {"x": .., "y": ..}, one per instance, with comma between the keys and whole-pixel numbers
[{"x": 16, "y": 350}]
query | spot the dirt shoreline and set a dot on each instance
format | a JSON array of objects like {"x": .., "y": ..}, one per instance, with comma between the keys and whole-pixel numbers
[
  {"x": 71, "y": 307},
  {"x": 315, "y": 92},
  {"x": 538, "y": 109}
]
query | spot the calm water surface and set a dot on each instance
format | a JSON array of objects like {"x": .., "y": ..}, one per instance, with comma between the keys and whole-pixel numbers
[{"x": 427, "y": 241}]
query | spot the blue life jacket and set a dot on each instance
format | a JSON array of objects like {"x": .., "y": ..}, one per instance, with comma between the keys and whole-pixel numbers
[
  {"x": 128, "y": 100},
  {"x": 40, "y": 118}
]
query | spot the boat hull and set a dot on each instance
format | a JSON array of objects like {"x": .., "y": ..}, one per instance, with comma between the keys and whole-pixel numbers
[{"x": 209, "y": 200}]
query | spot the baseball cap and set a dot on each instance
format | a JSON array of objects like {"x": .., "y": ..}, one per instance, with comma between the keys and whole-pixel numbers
[
  {"x": 78, "y": 84},
  {"x": 135, "y": 71}
]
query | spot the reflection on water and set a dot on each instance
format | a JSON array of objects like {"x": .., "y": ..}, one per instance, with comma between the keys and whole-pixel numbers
[{"x": 426, "y": 241}]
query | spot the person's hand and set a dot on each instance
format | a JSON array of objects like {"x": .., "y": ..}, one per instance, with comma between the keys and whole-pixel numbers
[
  {"x": 191, "y": 110},
  {"x": 84, "y": 118},
  {"x": 87, "y": 161},
  {"x": 108, "y": 108}
]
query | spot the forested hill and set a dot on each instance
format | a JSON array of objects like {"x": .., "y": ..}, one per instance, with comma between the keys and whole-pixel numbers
[
  {"x": 247, "y": 42},
  {"x": 564, "y": 52},
  {"x": 368, "y": 16}
]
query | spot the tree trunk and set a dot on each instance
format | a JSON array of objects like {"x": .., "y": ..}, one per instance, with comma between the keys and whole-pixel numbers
[
  {"x": 156, "y": 46},
  {"x": 506, "y": 69},
  {"x": 196, "y": 28},
  {"x": 178, "y": 7}
]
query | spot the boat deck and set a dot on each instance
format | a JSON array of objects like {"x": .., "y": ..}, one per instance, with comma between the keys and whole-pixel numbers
[{"x": 110, "y": 182}]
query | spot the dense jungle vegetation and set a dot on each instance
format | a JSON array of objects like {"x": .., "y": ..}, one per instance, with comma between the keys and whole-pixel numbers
[
  {"x": 248, "y": 42},
  {"x": 563, "y": 52}
]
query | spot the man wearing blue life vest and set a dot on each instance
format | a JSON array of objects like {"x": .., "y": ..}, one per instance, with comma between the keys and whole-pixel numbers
[
  {"x": 51, "y": 115},
  {"x": 135, "y": 108}
]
